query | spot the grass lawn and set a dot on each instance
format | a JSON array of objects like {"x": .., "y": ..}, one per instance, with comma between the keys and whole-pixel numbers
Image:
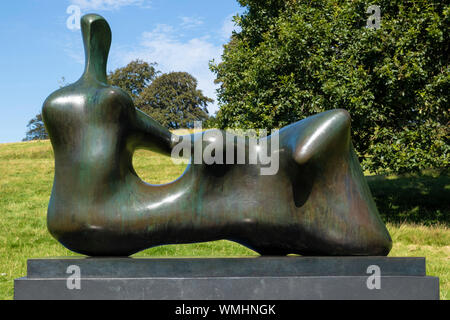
[{"x": 416, "y": 208}]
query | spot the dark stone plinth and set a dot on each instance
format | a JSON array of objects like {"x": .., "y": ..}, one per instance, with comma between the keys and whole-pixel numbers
[{"x": 227, "y": 278}]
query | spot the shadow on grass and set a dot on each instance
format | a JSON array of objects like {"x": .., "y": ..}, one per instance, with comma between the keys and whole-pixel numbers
[{"x": 420, "y": 198}]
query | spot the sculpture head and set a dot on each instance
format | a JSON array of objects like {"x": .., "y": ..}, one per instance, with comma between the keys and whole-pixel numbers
[{"x": 97, "y": 41}]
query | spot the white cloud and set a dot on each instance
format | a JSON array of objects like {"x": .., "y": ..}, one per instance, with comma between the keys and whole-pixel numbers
[
  {"x": 107, "y": 4},
  {"x": 162, "y": 45},
  {"x": 72, "y": 45},
  {"x": 76, "y": 54},
  {"x": 228, "y": 27},
  {"x": 191, "y": 22}
]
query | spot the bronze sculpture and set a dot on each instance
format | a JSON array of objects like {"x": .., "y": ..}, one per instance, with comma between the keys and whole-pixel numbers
[{"x": 318, "y": 203}]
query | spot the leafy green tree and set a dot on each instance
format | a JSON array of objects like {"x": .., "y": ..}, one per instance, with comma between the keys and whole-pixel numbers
[
  {"x": 210, "y": 123},
  {"x": 36, "y": 129},
  {"x": 174, "y": 100},
  {"x": 295, "y": 58},
  {"x": 134, "y": 78}
]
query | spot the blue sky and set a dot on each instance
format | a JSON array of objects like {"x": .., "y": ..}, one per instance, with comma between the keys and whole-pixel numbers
[{"x": 38, "y": 48}]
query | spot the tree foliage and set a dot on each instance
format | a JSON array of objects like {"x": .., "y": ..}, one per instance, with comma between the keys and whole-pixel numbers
[
  {"x": 295, "y": 58},
  {"x": 36, "y": 129},
  {"x": 174, "y": 100},
  {"x": 134, "y": 77}
]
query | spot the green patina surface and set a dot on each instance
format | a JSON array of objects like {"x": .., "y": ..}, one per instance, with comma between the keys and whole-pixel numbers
[{"x": 317, "y": 203}]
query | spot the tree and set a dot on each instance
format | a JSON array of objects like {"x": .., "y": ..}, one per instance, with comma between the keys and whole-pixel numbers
[
  {"x": 134, "y": 78},
  {"x": 295, "y": 58},
  {"x": 36, "y": 129},
  {"x": 173, "y": 100}
]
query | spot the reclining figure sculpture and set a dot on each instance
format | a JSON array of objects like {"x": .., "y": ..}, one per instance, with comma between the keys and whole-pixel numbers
[{"x": 318, "y": 203}]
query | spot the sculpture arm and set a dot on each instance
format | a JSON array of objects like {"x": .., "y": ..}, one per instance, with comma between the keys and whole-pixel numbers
[
  {"x": 150, "y": 134},
  {"x": 145, "y": 132},
  {"x": 322, "y": 136}
]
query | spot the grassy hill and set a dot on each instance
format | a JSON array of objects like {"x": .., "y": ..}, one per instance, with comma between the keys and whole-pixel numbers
[{"x": 416, "y": 208}]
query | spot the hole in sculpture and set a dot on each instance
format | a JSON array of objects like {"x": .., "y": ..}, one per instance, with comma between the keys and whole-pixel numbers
[{"x": 155, "y": 168}]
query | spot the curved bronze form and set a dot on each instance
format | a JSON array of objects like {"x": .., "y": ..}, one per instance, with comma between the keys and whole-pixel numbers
[{"x": 317, "y": 204}]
